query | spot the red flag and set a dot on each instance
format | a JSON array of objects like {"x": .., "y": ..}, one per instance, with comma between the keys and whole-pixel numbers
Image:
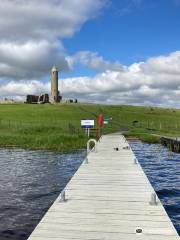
[{"x": 100, "y": 120}]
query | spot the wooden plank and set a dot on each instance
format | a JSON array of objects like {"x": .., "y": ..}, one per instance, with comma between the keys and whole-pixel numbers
[{"x": 108, "y": 198}]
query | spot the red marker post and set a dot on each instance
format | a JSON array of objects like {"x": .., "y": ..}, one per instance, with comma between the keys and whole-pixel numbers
[{"x": 100, "y": 121}]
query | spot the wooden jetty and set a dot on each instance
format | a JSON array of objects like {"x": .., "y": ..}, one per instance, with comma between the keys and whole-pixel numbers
[
  {"x": 173, "y": 143},
  {"x": 109, "y": 198}
]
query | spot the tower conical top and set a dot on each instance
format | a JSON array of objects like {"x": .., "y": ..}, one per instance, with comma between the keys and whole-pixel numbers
[{"x": 54, "y": 68}]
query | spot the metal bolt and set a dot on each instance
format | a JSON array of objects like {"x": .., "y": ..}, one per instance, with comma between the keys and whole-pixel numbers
[
  {"x": 126, "y": 147},
  {"x": 86, "y": 161},
  {"x": 116, "y": 149},
  {"x": 135, "y": 161},
  {"x": 63, "y": 196},
  {"x": 153, "y": 199},
  {"x": 139, "y": 230}
]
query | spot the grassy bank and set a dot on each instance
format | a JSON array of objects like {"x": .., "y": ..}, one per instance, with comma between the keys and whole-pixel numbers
[{"x": 57, "y": 127}]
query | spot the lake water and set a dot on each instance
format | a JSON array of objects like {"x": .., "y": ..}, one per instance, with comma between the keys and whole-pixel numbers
[
  {"x": 29, "y": 183},
  {"x": 31, "y": 180},
  {"x": 162, "y": 167}
]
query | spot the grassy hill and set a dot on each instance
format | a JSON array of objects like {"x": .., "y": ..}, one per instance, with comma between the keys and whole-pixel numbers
[{"x": 57, "y": 127}]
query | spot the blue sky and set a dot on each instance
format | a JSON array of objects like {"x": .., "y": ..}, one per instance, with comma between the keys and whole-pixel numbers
[
  {"x": 130, "y": 31},
  {"x": 107, "y": 51}
]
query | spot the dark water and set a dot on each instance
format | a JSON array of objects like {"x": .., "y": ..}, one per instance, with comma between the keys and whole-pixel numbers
[
  {"x": 29, "y": 183},
  {"x": 163, "y": 170}
]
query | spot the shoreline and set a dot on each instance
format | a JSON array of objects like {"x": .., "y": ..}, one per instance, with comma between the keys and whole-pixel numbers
[
  {"x": 70, "y": 149},
  {"x": 41, "y": 149}
]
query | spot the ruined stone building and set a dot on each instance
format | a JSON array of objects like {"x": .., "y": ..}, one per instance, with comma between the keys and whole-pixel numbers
[
  {"x": 33, "y": 99},
  {"x": 44, "y": 98}
]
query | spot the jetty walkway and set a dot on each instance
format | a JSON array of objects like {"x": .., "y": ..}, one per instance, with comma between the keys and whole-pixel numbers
[
  {"x": 173, "y": 143},
  {"x": 109, "y": 198}
]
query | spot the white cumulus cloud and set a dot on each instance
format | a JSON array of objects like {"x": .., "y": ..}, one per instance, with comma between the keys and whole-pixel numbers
[
  {"x": 31, "y": 33},
  {"x": 24, "y": 20},
  {"x": 93, "y": 61},
  {"x": 31, "y": 59},
  {"x": 154, "y": 82}
]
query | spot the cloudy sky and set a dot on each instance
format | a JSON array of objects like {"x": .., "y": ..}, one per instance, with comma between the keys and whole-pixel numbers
[{"x": 107, "y": 51}]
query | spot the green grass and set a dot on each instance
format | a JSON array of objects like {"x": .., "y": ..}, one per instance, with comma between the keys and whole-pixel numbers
[{"x": 47, "y": 126}]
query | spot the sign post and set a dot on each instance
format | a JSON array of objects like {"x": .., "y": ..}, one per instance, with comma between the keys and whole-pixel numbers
[
  {"x": 107, "y": 120},
  {"x": 87, "y": 124}
]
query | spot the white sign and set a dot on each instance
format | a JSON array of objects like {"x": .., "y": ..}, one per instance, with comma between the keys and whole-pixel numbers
[{"x": 87, "y": 123}]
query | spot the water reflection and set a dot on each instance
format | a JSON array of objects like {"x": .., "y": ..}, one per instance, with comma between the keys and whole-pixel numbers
[
  {"x": 163, "y": 170},
  {"x": 30, "y": 181}
]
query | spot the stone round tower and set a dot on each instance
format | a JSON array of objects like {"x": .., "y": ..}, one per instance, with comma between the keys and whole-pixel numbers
[{"x": 54, "y": 85}]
